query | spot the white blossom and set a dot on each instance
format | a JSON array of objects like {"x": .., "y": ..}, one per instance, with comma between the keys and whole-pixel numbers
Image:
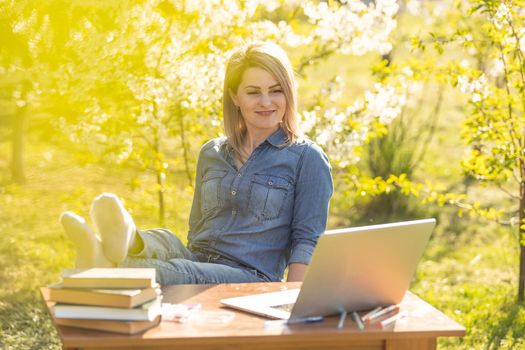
[
  {"x": 478, "y": 89},
  {"x": 501, "y": 16},
  {"x": 496, "y": 67},
  {"x": 270, "y": 5},
  {"x": 183, "y": 67},
  {"x": 307, "y": 120},
  {"x": 353, "y": 27},
  {"x": 341, "y": 131},
  {"x": 414, "y": 7},
  {"x": 288, "y": 37},
  {"x": 384, "y": 103}
]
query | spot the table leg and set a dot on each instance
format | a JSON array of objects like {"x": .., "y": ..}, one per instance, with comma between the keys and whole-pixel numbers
[{"x": 411, "y": 344}]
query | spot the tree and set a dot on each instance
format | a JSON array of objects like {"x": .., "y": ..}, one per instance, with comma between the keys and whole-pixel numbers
[
  {"x": 154, "y": 81},
  {"x": 492, "y": 76},
  {"x": 15, "y": 58},
  {"x": 495, "y": 127},
  {"x": 33, "y": 55}
]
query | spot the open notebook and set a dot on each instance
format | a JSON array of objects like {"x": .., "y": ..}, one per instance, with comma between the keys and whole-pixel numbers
[{"x": 352, "y": 269}]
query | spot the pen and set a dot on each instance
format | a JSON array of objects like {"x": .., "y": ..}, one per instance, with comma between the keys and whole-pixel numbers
[
  {"x": 342, "y": 319},
  {"x": 366, "y": 316},
  {"x": 312, "y": 319},
  {"x": 390, "y": 320},
  {"x": 383, "y": 312},
  {"x": 357, "y": 319}
]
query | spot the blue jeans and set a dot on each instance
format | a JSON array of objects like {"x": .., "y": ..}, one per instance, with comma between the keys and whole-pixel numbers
[{"x": 176, "y": 264}]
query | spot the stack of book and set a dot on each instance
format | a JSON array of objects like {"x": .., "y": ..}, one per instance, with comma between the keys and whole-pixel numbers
[{"x": 122, "y": 300}]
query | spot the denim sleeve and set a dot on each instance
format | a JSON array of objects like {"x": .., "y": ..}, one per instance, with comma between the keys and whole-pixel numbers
[
  {"x": 313, "y": 190},
  {"x": 196, "y": 213}
]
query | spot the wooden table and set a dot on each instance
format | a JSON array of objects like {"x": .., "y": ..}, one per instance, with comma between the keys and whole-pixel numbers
[{"x": 418, "y": 331}]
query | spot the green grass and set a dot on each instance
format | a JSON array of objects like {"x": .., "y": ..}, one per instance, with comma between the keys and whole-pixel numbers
[
  {"x": 33, "y": 248},
  {"x": 468, "y": 271},
  {"x": 471, "y": 277}
]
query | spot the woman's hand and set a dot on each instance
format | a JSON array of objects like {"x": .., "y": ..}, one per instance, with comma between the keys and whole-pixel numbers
[{"x": 296, "y": 272}]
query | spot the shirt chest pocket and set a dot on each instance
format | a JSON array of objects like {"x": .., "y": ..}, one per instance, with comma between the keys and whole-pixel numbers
[
  {"x": 267, "y": 196},
  {"x": 211, "y": 190}
]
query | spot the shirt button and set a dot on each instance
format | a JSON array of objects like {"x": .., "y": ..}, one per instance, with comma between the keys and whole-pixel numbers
[
  {"x": 239, "y": 174},
  {"x": 270, "y": 183},
  {"x": 234, "y": 193}
]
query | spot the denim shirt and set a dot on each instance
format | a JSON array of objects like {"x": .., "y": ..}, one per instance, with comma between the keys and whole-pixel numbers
[{"x": 267, "y": 214}]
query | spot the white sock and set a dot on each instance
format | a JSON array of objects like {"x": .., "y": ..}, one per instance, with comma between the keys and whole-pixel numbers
[
  {"x": 89, "y": 249},
  {"x": 115, "y": 225}
]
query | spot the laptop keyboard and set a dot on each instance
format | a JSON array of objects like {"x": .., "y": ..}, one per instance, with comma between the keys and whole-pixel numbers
[{"x": 284, "y": 307}]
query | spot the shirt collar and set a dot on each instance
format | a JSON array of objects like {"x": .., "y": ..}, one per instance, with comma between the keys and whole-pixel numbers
[{"x": 278, "y": 138}]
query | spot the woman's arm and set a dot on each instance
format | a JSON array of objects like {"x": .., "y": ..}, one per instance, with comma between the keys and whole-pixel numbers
[
  {"x": 196, "y": 212},
  {"x": 296, "y": 272},
  {"x": 313, "y": 189}
]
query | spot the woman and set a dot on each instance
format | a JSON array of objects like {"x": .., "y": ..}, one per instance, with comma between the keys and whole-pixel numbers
[{"x": 261, "y": 195}]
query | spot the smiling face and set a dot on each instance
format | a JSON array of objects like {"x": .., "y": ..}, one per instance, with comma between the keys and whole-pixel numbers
[{"x": 261, "y": 101}]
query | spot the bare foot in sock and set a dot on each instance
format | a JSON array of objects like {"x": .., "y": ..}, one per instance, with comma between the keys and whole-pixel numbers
[
  {"x": 89, "y": 248},
  {"x": 115, "y": 225}
]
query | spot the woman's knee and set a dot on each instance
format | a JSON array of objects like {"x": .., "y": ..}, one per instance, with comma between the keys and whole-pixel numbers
[{"x": 166, "y": 273}]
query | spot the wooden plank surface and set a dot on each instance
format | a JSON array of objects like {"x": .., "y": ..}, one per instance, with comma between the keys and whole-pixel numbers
[{"x": 248, "y": 331}]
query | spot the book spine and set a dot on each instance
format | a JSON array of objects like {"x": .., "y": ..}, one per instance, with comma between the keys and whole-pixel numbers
[
  {"x": 106, "y": 283},
  {"x": 83, "y": 315}
]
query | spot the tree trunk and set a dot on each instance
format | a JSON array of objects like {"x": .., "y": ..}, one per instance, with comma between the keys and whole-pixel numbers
[
  {"x": 521, "y": 280},
  {"x": 19, "y": 123},
  {"x": 160, "y": 173},
  {"x": 184, "y": 147},
  {"x": 160, "y": 191}
]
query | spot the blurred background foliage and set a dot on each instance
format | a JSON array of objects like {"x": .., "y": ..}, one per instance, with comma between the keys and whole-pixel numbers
[{"x": 419, "y": 105}]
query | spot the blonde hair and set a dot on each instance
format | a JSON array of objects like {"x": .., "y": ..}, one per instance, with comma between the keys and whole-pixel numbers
[{"x": 274, "y": 60}]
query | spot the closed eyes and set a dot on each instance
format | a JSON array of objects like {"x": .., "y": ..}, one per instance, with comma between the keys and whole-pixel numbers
[{"x": 258, "y": 92}]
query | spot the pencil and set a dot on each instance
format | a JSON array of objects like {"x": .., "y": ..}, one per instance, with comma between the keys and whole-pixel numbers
[
  {"x": 367, "y": 315},
  {"x": 383, "y": 312},
  {"x": 358, "y": 321},
  {"x": 342, "y": 319},
  {"x": 387, "y": 322}
]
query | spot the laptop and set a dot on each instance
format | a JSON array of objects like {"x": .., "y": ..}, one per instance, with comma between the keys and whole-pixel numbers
[{"x": 351, "y": 269}]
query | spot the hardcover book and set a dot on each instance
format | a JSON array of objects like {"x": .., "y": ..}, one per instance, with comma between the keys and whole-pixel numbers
[
  {"x": 109, "y": 278},
  {"x": 125, "y": 298},
  {"x": 124, "y": 327},
  {"x": 145, "y": 312}
]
